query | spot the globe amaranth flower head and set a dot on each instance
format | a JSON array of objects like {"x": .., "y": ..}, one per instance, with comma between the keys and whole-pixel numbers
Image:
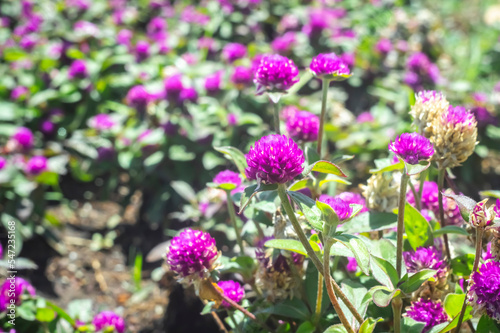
[
  {"x": 303, "y": 126},
  {"x": 19, "y": 93},
  {"x": 275, "y": 73},
  {"x": 19, "y": 286},
  {"x": 138, "y": 97},
  {"x": 234, "y": 51},
  {"x": 108, "y": 321},
  {"x": 274, "y": 159},
  {"x": 427, "y": 311},
  {"x": 23, "y": 137},
  {"x": 484, "y": 290},
  {"x": 242, "y": 76},
  {"x": 429, "y": 104},
  {"x": 78, "y": 69},
  {"x": 412, "y": 148},
  {"x": 233, "y": 290},
  {"x": 228, "y": 177},
  {"x": 101, "y": 122},
  {"x": 36, "y": 165},
  {"x": 422, "y": 258},
  {"x": 192, "y": 255},
  {"x": 353, "y": 198},
  {"x": 329, "y": 66},
  {"x": 482, "y": 216},
  {"x": 341, "y": 208}
]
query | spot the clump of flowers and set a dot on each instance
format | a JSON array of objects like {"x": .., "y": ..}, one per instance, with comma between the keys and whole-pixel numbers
[
  {"x": 353, "y": 198},
  {"x": 233, "y": 290},
  {"x": 420, "y": 71},
  {"x": 36, "y": 165},
  {"x": 138, "y": 97},
  {"x": 192, "y": 255},
  {"x": 242, "y": 76},
  {"x": 329, "y": 66},
  {"x": 78, "y": 69},
  {"x": 108, "y": 321},
  {"x": 484, "y": 290},
  {"x": 275, "y": 73},
  {"x": 427, "y": 311},
  {"x": 341, "y": 208},
  {"x": 20, "y": 286},
  {"x": 234, "y": 51},
  {"x": 412, "y": 148},
  {"x": 303, "y": 126},
  {"x": 23, "y": 137},
  {"x": 381, "y": 192},
  {"x": 454, "y": 135},
  {"x": 429, "y": 104},
  {"x": 274, "y": 159}
]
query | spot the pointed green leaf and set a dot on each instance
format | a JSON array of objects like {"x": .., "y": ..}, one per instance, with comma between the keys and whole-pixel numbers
[
  {"x": 450, "y": 229},
  {"x": 383, "y": 297},
  {"x": 416, "y": 280},
  {"x": 237, "y": 156},
  {"x": 388, "y": 166},
  {"x": 410, "y": 325},
  {"x": 417, "y": 228},
  {"x": 370, "y": 221},
  {"x": 486, "y": 324},
  {"x": 292, "y": 245},
  {"x": 324, "y": 167},
  {"x": 308, "y": 207},
  {"x": 465, "y": 204},
  {"x": 299, "y": 185},
  {"x": 415, "y": 169},
  {"x": 358, "y": 248},
  {"x": 368, "y": 326},
  {"x": 384, "y": 272},
  {"x": 252, "y": 190}
]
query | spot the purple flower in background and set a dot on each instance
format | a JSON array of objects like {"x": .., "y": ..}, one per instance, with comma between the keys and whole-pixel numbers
[
  {"x": 142, "y": 50},
  {"x": 206, "y": 43},
  {"x": 23, "y": 137},
  {"x": 19, "y": 93},
  {"x": 365, "y": 117},
  {"x": 191, "y": 15},
  {"x": 105, "y": 153},
  {"x": 283, "y": 44},
  {"x": 288, "y": 112},
  {"x": 484, "y": 290},
  {"x": 329, "y": 65},
  {"x": 101, "y": 122},
  {"x": 78, "y": 69},
  {"x": 188, "y": 94},
  {"x": 213, "y": 83},
  {"x": 13, "y": 289},
  {"x": 234, "y": 51},
  {"x": 3, "y": 163},
  {"x": 173, "y": 87},
  {"x": 28, "y": 42},
  {"x": 420, "y": 71},
  {"x": 192, "y": 254},
  {"x": 353, "y": 198},
  {"x": 47, "y": 127},
  {"x": 228, "y": 177},
  {"x": 36, "y": 165},
  {"x": 459, "y": 115},
  {"x": 124, "y": 36},
  {"x": 233, "y": 290},
  {"x": 157, "y": 28},
  {"x": 318, "y": 21},
  {"x": 422, "y": 258},
  {"x": 427, "y": 311},
  {"x": 274, "y": 159},
  {"x": 138, "y": 97},
  {"x": 341, "y": 208},
  {"x": 80, "y": 4},
  {"x": 412, "y": 148},
  {"x": 383, "y": 46},
  {"x": 352, "y": 265},
  {"x": 108, "y": 319},
  {"x": 484, "y": 117},
  {"x": 496, "y": 208},
  {"x": 487, "y": 255},
  {"x": 232, "y": 119},
  {"x": 275, "y": 74},
  {"x": 242, "y": 76},
  {"x": 303, "y": 126},
  {"x": 429, "y": 199}
]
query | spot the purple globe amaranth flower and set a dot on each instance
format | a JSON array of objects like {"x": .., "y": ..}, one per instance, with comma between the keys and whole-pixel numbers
[
  {"x": 106, "y": 320},
  {"x": 412, "y": 148},
  {"x": 427, "y": 311},
  {"x": 3, "y": 164},
  {"x": 232, "y": 119},
  {"x": 352, "y": 265},
  {"x": 124, "y": 36},
  {"x": 233, "y": 290},
  {"x": 353, "y": 198},
  {"x": 101, "y": 122},
  {"x": 288, "y": 112},
  {"x": 275, "y": 73},
  {"x": 23, "y": 137},
  {"x": 341, "y": 208},
  {"x": 383, "y": 46},
  {"x": 487, "y": 255},
  {"x": 157, "y": 29},
  {"x": 365, "y": 117},
  {"x": 329, "y": 66},
  {"x": 424, "y": 257},
  {"x": 484, "y": 117},
  {"x": 234, "y": 51},
  {"x": 213, "y": 83},
  {"x": 105, "y": 153},
  {"x": 228, "y": 177},
  {"x": 47, "y": 127},
  {"x": 12, "y": 290},
  {"x": 138, "y": 97},
  {"x": 28, "y": 42},
  {"x": 192, "y": 255},
  {"x": 484, "y": 290},
  {"x": 19, "y": 93},
  {"x": 142, "y": 50},
  {"x": 481, "y": 215},
  {"x": 78, "y": 69},
  {"x": 36, "y": 165},
  {"x": 188, "y": 95},
  {"x": 274, "y": 159},
  {"x": 173, "y": 87},
  {"x": 242, "y": 76},
  {"x": 303, "y": 126},
  {"x": 283, "y": 44}
]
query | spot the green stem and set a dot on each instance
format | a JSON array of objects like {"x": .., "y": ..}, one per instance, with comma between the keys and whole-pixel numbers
[
  {"x": 329, "y": 289},
  {"x": 277, "y": 117},
  {"x": 441, "y": 211},
  {"x": 219, "y": 322},
  {"x": 325, "y": 84},
  {"x": 423, "y": 176},
  {"x": 479, "y": 249},
  {"x": 397, "y": 307},
  {"x": 401, "y": 218},
  {"x": 319, "y": 299},
  {"x": 232, "y": 216},
  {"x": 415, "y": 195}
]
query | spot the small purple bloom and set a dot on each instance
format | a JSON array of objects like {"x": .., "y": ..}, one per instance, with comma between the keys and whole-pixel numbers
[
  {"x": 78, "y": 69},
  {"x": 412, "y": 148},
  {"x": 101, "y": 122},
  {"x": 288, "y": 112},
  {"x": 353, "y": 198},
  {"x": 242, "y": 76},
  {"x": 138, "y": 97},
  {"x": 365, "y": 117},
  {"x": 283, "y": 44},
  {"x": 234, "y": 51},
  {"x": 173, "y": 87},
  {"x": 232, "y": 119},
  {"x": 188, "y": 94},
  {"x": 157, "y": 28},
  {"x": 105, "y": 153},
  {"x": 484, "y": 117},
  {"x": 383, "y": 46},
  {"x": 108, "y": 319},
  {"x": 13, "y": 289},
  {"x": 329, "y": 65},
  {"x": 233, "y": 290},
  {"x": 19, "y": 93},
  {"x": 427, "y": 311},
  {"x": 28, "y": 42},
  {"x": 213, "y": 83},
  {"x": 484, "y": 291},
  {"x": 124, "y": 36},
  {"x": 228, "y": 177},
  {"x": 303, "y": 126},
  {"x": 422, "y": 258},
  {"x": 274, "y": 159},
  {"x": 459, "y": 115},
  {"x": 275, "y": 74},
  {"x": 48, "y": 127},
  {"x": 3, "y": 163},
  {"x": 36, "y": 165},
  {"x": 429, "y": 199},
  {"x": 341, "y": 208},
  {"x": 142, "y": 50},
  {"x": 352, "y": 265},
  {"x": 24, "y": 137},
  {"x": 192, "y": 254}
]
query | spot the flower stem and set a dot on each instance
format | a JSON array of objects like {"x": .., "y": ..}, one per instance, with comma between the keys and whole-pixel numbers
[
  {"x": 325, "y": 84},
  {"x": 277, "y": 117},
  {"x": 319, "y": 299},
  {"x": 329, "y": 289},
  {"x": 415, "y": 195},
  {"x": 310, "y": 252},
  {"x": 441, "y": 211},
  {"x": 232, "y": 216},
  {"x": 397, "y": 307},
  {"x": 219, "y": 322},
  {"x": 479, "y": 249},
  {"x": 236, "y": 327},
  {"x": 401, "y": 217}
]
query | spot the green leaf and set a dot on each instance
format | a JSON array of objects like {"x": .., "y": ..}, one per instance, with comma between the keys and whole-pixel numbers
[
  {"x": 27, "y": 310},
  {"x": 312, "y": 155},
  {"x": 308, "y": 207},
  {"x": 388, "y": 166},
  {"x": 323, "y": 167},
  {"x": 224, "y": 186},
  {"x": 154, "y": 159},
  {"x": 454, "y": 322},
  {"x": 491, "y": 193},
  {"x": 243, "y": 265},
  {"x": 252, "y": 190},
  {"x": 451, "y": 229},
  {"x": 355, "y": 292},
  {"x": 462, "y": 265},
  {"x": 184, "y": 190},
  {"x": 417, "y": 228},
  {"x": 207, "y": 308},
  {"x": 465, "y": 204},
  {"x": 368, "y": 326},
  {"x": 338, "y": 328},
  {"x": 358, "y": 248},
  {"x": 486, "y": 324},
  {"x": 48, "y": 178},
  {"x": 306, "y": 327},
  {"x": 415, "y": 169},
  {"x": 45, "y": 314},
  {"x": 292, "y": 245},
  {"x": 237, "y": 156},
  {"x": 370, "y": 221},
  {"x": 384, "y": 272},
  {"x": 383, "y": 297},
  {"x": 453, "y": 304},
  {"x": 329, "y": 214},
  {"x": 299, "y": 185},
  {"x": 411, "y": 325},
  {"x": 294, "y": 308},
  {"x": 438, "y": 328},
  {"x": 416, "y": 280}
]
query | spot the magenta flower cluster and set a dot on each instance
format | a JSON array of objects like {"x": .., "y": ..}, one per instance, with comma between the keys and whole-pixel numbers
[
  {"x": 233, "y": 290},
  {"x": 484, "y": 291},
  {"x": 427, "y": 311},
  {"x": 19, "y": 286},
  {"x": 353, "y": 198},
  {"x": 459, "y": 115},
  {"x": 24, "y": 137},
  {"x": 36, "y": 165},
  {"x": 420, "y": 71},
  {"x": 228, "y": 177},
  {"x": 192, "y": 253},
  {"x": 138, "y": 97},
  {"x": 303, "y": 126},
  {"x": 422, "y": 258},
  {"x": 275, "y": 73},
  {"x": 412, "y": 148},
  {"x": 274, "y": 159},
  {"x": 325, "y": 64},
  {"x": 234, "y": 51},
  {"x": 341, "y": 208},
  {"x": 108, "y": 321}
]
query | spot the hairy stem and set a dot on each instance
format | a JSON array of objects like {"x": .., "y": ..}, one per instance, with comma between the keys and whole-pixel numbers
[
  {"x": 401, "y": 217},
  {"x": 325, "y": 85},
  {"x": 219, "y": 322},
  {"x": 397, "y": 307},
  {"x": 319, "y": 298},
  {"x": 479, "y": 249},
  {"x": 277, "y": 117},
  {"x": 415, "y": 195},
  {"x": 441, "y": 211},
  {"x": 232, "y": 215}
]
